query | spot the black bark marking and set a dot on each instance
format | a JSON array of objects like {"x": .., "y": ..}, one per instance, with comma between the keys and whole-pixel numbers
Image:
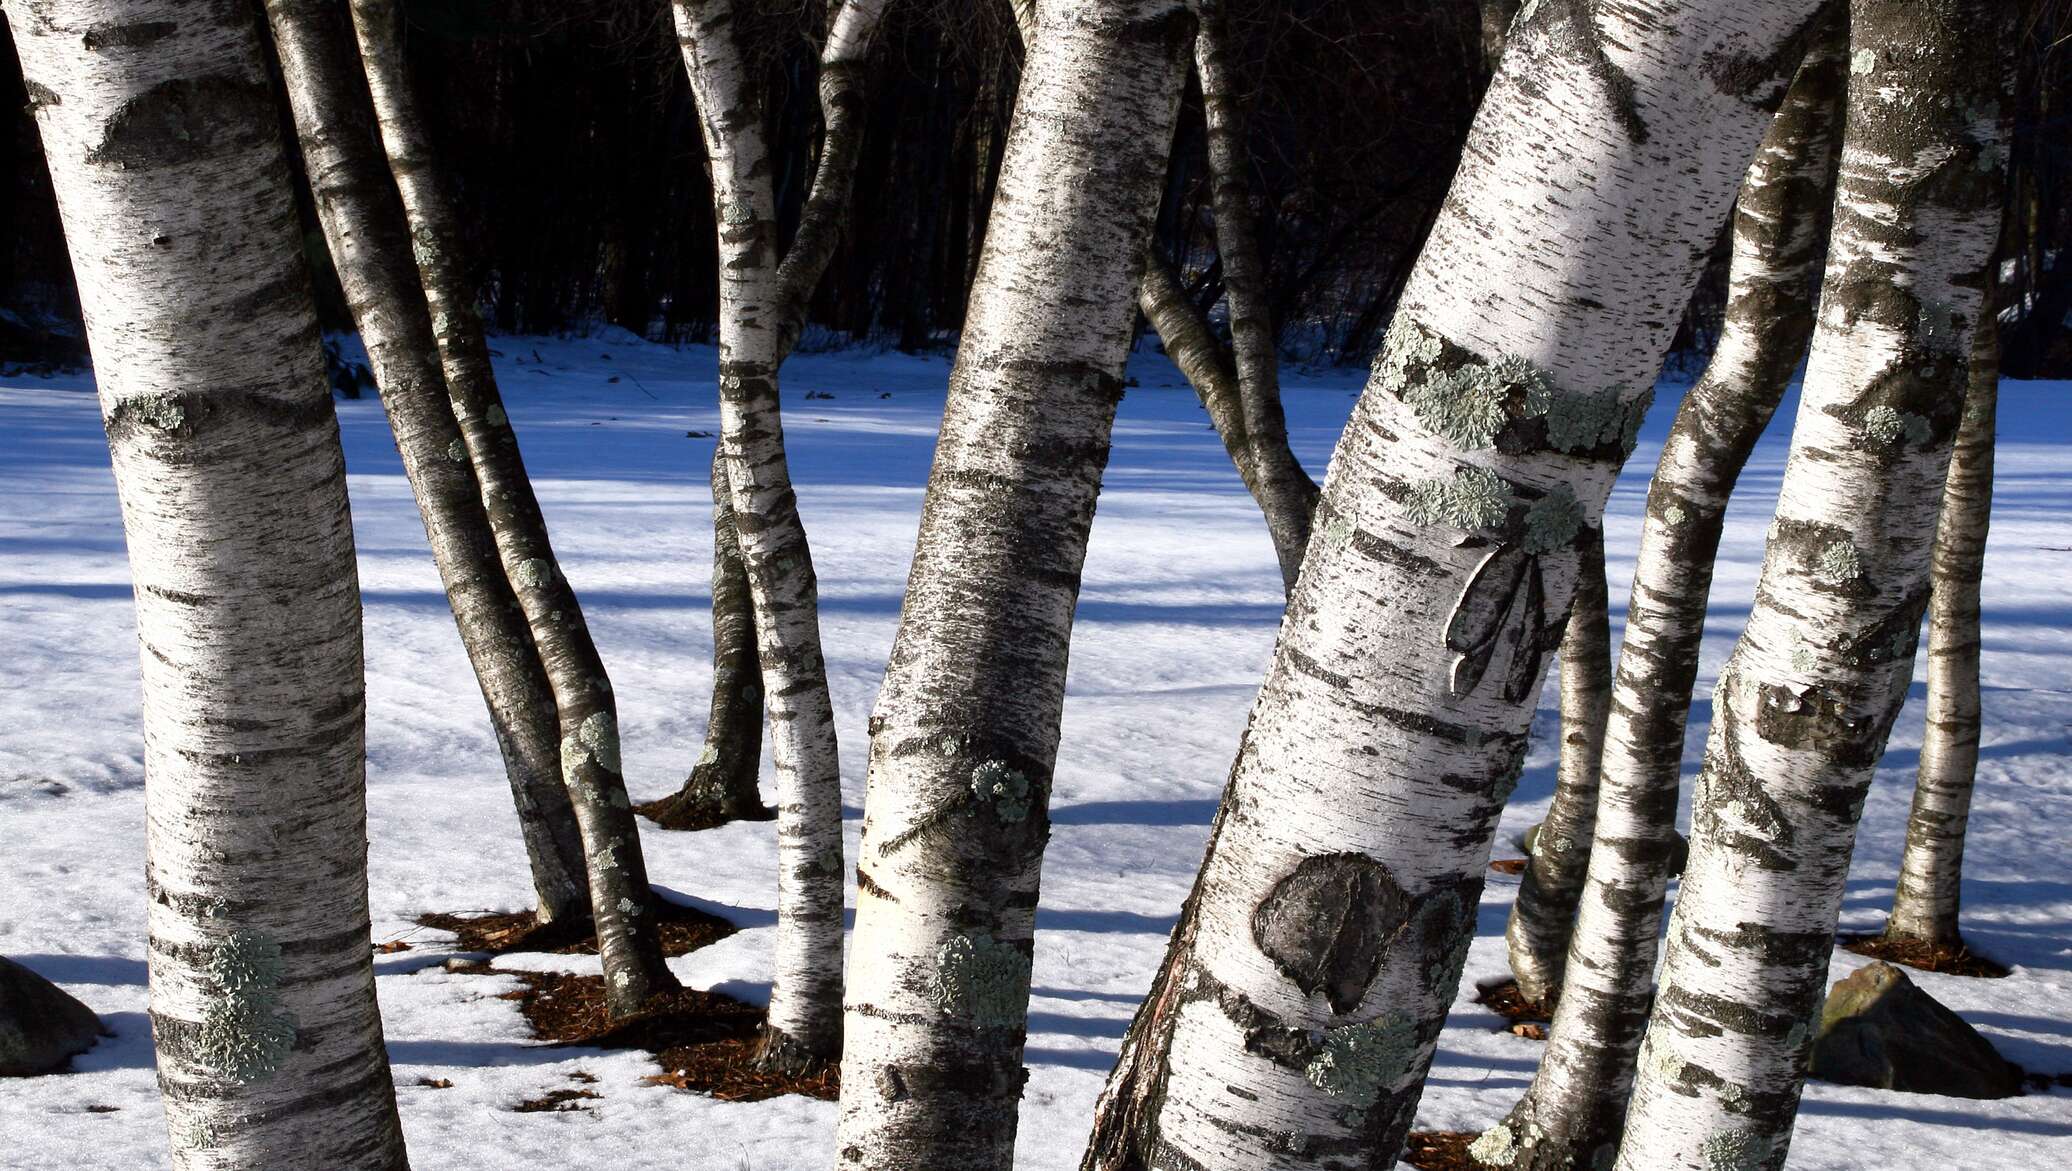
[
  {"x": 183, "y": 121},
  {"x": 1327, "y": 925},
  {"x": 111, "y": 36},
  {"x": 1529, "y": 639},
  {"x": 1569, "y": 26},
  {"x": 1478, "y": 617},
  {"x": 40, "y": 95}
]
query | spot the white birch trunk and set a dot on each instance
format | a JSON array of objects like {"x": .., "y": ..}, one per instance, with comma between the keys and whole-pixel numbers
[
  {"x": 1804, "y": 705},
  {"x": 1570, "y": 1116},
  {"x": 1931, "y": 870},
  {"x": 162, "y": 136},
  {"x": 762, "y": 308},
  {"x": 966, "y": 728},
  {"x": 1311, "y": 973}
]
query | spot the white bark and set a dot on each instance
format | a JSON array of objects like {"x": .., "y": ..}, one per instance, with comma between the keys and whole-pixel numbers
[
  {"x": 162, "y": 137},
  {"x": 1804, "y": 705},
  {"x": 965, "y": 732},
  {"x": 1311, "y": 973},
  {"x": 762, "y": 308}
]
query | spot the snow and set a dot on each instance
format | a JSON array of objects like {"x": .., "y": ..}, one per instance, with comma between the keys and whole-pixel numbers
[{"x": 1176, "y": 624}]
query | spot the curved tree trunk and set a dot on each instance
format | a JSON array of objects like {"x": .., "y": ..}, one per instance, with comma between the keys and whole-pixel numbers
[
  {"x": 1924, "y": 908},
  {"x": 620, "y": 900},
  {"x": 369, "y": 239},
  {"x": 1545, "y": 914},
  {"x": 160, "y": 128},
  {"x": 966, "y": 727},
  {"x": 1310, "y": 975},
  {"x": 1570, "y": 1117},
  {"x": 722, "y": 785},
  {"x": 1806, "y": 702},
  {"x": 762, "y": 309}
]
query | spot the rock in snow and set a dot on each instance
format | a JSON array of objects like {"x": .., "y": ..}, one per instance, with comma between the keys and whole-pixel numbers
[
  {"x": 41, "y": 1025},
  {"x": 1880, "y": 1029}
]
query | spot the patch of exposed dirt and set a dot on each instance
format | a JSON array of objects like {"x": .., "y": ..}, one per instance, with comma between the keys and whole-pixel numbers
[
  {"x": 1508, "y": 865},
  {"x": 1948, "y": 959},
  {"x": 684, "y": 930},
  {"x": 679, "y": 812},
  {"x": 1524, "y": 1018},
  {"x": 557, "y": 1102},
  {"x": 1440, "y": 1150}
]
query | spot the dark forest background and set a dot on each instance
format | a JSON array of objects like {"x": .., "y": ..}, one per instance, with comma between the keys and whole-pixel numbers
[{"x": 571, "y": 138}]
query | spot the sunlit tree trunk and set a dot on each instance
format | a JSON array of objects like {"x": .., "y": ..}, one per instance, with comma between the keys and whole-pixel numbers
[
  {"x": 762, "y": 310},
  {"x": 369, "y": 240},
  {"x": 1541, "y": 919},
  {"x": 965, "y": 732},
  {"x": 161, "y": 132},
  {"x": 1924, "y": 909},
  {"x": 1306, "y": 985},
  {"x": 1804, "y": 705},
  {"x": 1570, "y": 1116},
  {"x": 621, "y": 903}
]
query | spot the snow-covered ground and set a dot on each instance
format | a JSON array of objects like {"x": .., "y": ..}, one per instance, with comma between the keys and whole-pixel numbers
[{"x": 1175, "y": 627}]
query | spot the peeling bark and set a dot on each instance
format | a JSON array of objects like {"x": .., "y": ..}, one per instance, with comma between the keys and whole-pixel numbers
[
  {"x": 620, "y": 900},
  {"x": 762, "y": 309},
  {"x": 1393, "y": 721},
  {"x": 1544, "y": 915},
  {"x": 1806, "y": 702},
  {"x": 165, "y": 156},
  {"x": 369, "y": 238},
  {"x": 965, "y": 732},
  {"x": 1931, "y": 870}
]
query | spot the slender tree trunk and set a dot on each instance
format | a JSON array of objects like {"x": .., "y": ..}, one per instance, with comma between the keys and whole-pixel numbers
[
  {"x": 965, "y": 732},
  {"x": 1311, "y": 972},
  {"x": 722, "y": 785},
  {"x": 1545, "y": 913},
  {"x": 620, "y": 900},
  {"x": 1924, "y": 909},
  {"x": 1570, "y": 1117},
  {"x": 1806, "y": 702},
  {"x": 369, "y": 239},
  {"x": 160, "y": 129},
  {"x": 762, "y": 310}
]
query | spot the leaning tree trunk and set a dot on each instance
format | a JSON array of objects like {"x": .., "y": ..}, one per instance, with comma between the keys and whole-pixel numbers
[
  {"x": 1806, "y": 701},
  {"x": 369, "y": 239},
  {"x": 1545, "y": 912},
  {"x": 160, "y": 129},
  {"x": 1306, "y": 985},
  {"x": 1924, "y": 908},
  {"x": 965, "y": 733},
  {"x": 762, "y": 310},
  {"x": 1570, "y": 1117},
  {"x": 621, "y": 902},
  {"x": 722, "y": 785}
]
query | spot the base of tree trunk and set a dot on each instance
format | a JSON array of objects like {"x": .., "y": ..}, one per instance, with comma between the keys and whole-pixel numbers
[
  {"x": 780, "y": 1053},
  {"x": 699, "y": 805},
  {"x": 1949, "y": 959},
  {"x": 683, "y": 930},
  {"x": 1439, "y": 1150}
]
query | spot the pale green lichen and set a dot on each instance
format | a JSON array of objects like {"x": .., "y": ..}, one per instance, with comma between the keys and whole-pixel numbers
[
  {"x": 1005, "y": 789},
  {"x": 1472, "y": 498},
  {"x": 1553, "y": 521},
  {"x": 1803, "y": 660},
  {"x": 1839, "y": 563},
  {"x": 457, "y": 451},
  {"x": 710, "y": 755},
  {"x": 1405, "y": 344},
  {"x": 1735, "y": 1150},
  {"x": 599, "y": 734},
  {"x": 1496, "y": 1147},
  {"x": 1583, "y": 422},
  {"x": 1887, "y": 427},
  {"x": 1357, "y": 1061},
  {"x": 1464, "y": 406},
  {"x": 244, "y": 1035},
  {"x": 981, "y": 978},
  {"x": 534, "y": 574},
  {"x": 495, "y": 416},
  {"x": 1675, "y": 514},
  {"x": 161, "y": 411},
  {"x": 1863, "y": 61}
]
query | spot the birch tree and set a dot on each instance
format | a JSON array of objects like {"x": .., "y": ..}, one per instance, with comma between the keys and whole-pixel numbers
[
  {"x": 369, "y": 240},
  {"x": 620, "y": 900},
  {"x": 160, "y": 129},
  {"x": 965, "y": 732},
  {"x": 1570, "y": 1117},
  {"x": 1931, "y": 870},
  {"x": 1805, "y": 703},
  {"x": 762, "y": 310},
  {"x": 1544, "y": 914},
  {"x": 1309, "y": 977}
]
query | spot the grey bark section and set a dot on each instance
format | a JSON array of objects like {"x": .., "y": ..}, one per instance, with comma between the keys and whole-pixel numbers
[
  {"x": 966, "y": 728},
  {"x": 722, "y": 785},
  {"x": 1497, "y": 16},
  {"x": 1571, "y": 1115},
  {"x": 1544, "y": 914},
  {"x": 762, "y": 309},
  {"x": 42, "y": 1026},
  {"x": 1310, "y": 975},
  {"x": 1806, "y": 702},
  {"x": 369, "y": 239},
  {"x": 1931, "y": 870},
  {"x": 162, "y": 137},
  {"x": 620, "y": 900}
]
